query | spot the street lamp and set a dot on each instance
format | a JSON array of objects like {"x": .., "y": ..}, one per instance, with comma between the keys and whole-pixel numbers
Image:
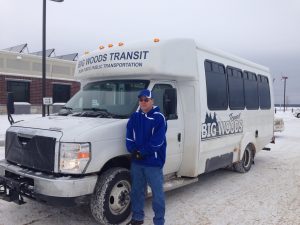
[
  {"x": 44, "y": 56},
  {"x": 284, "y": 78}
]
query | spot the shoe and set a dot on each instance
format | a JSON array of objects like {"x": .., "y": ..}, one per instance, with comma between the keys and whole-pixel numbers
[{"x": 135, "y": 222}]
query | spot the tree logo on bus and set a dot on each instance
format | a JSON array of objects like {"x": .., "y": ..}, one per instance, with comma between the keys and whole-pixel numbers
[{"x": 214, "y": 128}]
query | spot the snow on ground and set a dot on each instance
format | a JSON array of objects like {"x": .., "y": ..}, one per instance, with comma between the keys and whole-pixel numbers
[
  {"x": 268, "y": 194},
  {"x": 1, "y": 152}
]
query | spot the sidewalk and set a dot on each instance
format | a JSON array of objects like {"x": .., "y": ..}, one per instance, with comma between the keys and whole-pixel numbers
[{"x": 2, "y": 153}]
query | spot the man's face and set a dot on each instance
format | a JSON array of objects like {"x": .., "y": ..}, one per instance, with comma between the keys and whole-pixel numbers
[{"x": 145, "y": 103}]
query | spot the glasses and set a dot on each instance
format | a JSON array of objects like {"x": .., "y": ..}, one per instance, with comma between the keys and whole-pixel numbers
[{"x": 144, "y": 99}]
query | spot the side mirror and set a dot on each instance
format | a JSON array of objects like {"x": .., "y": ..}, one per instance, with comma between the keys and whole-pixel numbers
[
  {"x": 170, "y": 103},
  {"x": 10, "y": 103}
]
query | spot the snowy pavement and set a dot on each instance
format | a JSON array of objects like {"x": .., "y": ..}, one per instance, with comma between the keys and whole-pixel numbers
[
  {"x": 268, "y": 194},
  {"x": 2, "y": 152}
]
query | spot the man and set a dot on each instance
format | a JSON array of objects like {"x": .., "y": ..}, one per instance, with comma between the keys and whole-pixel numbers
[{"x": 146, "y": 141}]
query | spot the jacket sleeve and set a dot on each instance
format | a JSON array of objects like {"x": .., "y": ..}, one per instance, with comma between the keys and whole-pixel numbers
[
  {"x": 158, "y": 137},
  {"x": 130, "y": 136}
]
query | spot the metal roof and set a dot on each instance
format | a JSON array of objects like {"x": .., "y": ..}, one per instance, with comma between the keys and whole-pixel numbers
[
  {"x": 49, "y": 52},
  {"x": 17, "y": 48},
  {"x": 71, "y": 57}
]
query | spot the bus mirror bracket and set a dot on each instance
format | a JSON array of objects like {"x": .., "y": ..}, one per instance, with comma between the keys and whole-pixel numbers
[{"x": 10, "y": 107}]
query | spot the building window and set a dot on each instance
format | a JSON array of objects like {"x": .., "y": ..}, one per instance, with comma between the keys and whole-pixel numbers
[
  {"x": 216, "y": 85},
  {"x": 61, "y": 93},
  {"x": 20, "y": 90}
]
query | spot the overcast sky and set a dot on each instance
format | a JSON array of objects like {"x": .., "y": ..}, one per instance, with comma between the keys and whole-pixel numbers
[{"x": 264, "y": 31}]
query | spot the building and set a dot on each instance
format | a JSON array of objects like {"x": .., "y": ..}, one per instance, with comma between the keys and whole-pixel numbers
[{"x": 21, "y": 73}]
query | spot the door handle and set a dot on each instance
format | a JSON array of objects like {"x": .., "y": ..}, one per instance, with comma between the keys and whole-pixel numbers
[{"x": 179, "y": 137}]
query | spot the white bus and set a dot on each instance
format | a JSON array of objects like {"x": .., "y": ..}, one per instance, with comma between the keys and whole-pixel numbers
[{"x": 219, "y": 110}]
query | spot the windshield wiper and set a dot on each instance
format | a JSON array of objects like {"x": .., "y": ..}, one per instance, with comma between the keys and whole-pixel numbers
[
  {"x": 96, "y": 112},
  {"x": 94, "y": 109},
  {"x": 65, "y": 110},
  {"x": 66, "y": 107}
]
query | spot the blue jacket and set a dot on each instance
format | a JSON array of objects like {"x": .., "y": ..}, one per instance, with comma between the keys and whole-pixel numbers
[{"x": 146, "y": 132}]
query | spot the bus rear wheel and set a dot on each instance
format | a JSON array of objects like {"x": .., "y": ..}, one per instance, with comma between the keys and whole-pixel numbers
[{"x": 245, "y": 164}]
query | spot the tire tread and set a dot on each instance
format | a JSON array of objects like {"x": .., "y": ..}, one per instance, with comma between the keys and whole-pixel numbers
[{"x": 98, "y": 199}]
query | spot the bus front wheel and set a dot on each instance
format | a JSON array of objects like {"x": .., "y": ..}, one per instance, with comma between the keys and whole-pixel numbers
[{"x": 110, "y": 203}]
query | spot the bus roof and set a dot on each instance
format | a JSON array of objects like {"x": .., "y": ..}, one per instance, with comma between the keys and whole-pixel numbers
[{"x": 167, "y": 59}]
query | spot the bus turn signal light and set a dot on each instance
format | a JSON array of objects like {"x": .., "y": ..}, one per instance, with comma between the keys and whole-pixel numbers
[{"x": 83, "y": 155}]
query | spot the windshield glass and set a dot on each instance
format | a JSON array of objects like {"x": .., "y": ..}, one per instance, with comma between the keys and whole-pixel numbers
[{"x": 111, "y": 99}]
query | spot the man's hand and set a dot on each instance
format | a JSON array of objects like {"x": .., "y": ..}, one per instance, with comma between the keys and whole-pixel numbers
[{"x": 136, "y": 155}]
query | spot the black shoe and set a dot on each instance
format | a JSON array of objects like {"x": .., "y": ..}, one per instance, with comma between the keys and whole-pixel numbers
[{"x": 135, "y": 222}]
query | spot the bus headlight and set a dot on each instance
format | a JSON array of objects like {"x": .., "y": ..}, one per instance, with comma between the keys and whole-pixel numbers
[{"x": 74, "y": 157}]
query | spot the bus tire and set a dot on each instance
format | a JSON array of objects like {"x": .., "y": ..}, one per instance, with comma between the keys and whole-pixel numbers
[
  {"x": 110, "y": 203},
  {"x": 298, "y": 115},
  {"x": 245, "y": 164}
]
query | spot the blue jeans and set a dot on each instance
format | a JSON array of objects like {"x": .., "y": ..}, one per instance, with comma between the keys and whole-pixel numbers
[{"x": 140, "y": 177}]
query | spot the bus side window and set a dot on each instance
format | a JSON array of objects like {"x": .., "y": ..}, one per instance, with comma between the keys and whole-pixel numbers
[
  {"x": 235, "y": 88},
  {"x": 251, "y": 90},
  {"x": 216, "y": 85},
  {"x": 264, "y": 92},
  {"x": 158, "y": 94}
]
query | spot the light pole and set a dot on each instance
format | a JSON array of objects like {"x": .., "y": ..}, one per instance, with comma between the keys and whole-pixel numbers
[
  {"x": 44, "y": 56},
  {"x": 284, "y": 78}
]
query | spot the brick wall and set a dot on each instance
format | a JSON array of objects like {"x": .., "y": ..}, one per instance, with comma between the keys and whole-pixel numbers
[{"x": 35, "y": 88}]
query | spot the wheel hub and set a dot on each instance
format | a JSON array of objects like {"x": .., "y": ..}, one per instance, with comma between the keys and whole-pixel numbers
[{"x": 119, "y": 198}]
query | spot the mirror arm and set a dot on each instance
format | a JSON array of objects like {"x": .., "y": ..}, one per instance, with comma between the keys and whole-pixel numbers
[
  {"x": 10, "y": 107},
  {"x": 10, "y": 119}
]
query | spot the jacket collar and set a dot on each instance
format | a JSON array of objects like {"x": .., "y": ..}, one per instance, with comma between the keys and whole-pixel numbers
[{"x": 153, "y": 110}]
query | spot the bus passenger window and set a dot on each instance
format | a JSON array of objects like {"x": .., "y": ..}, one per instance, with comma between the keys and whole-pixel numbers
[
  {"x": 251, "y": 90},
  {"x": 216, "y": 85},
  {"x": 235, "y": 89},
  {"x": 264, "y": 92}
]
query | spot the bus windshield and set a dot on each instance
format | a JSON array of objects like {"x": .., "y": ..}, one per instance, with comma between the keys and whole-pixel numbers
[{"x": 110, "y": 99}]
